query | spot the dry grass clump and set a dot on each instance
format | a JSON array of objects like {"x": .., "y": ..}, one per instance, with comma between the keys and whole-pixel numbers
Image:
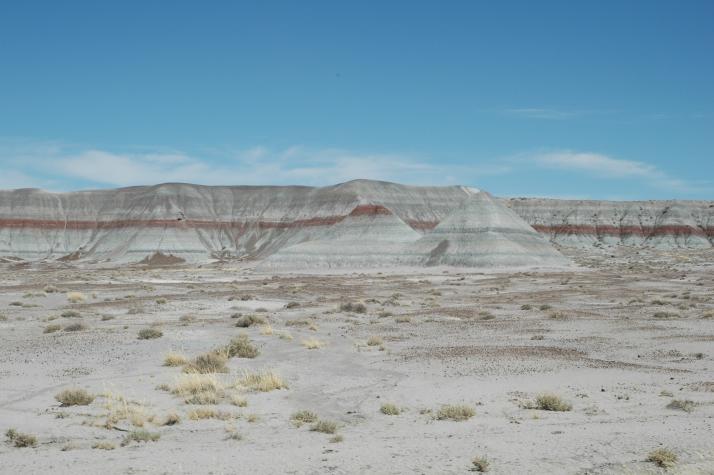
[
  {"x": 238, "y": 400},
  {"x": 336, "y": 439},
  {"x": 74, "y": 397},
  {"x": 161, "y": 301},
  {"x": 19, "y": 439},
  {"x": 209, "y": 413},
  {"x": 76, "y": 297},
  {"x": 292, "y": 305},
  {"x": 375, "y": 341},
  {"x": 551, "y": 402},
  {"x": 353, "y": 307},
  {"x": 557, "y": 316},
  {"x": 544, "y": 307},
  {"x": 403, "y": 319},
  {"x": 266, "y": 330},
  {"x": 75, "y": 327},
  {"x": 52, "y": 328},
  {"x": 665, "y": 315},
  {"x": 526, "y": 306},
  {"x": 325, "y": 427},
  {"x": 681, "y": 404},
  {"x": 312, "y": 344},
  {"x": 285, "y": 336},
  {"x": 198, "y": 388},
  {"x": 390, "y": 409},
  {"x": 104, "y": 445},
  {"x": 175, "y": 359},
  {"x": 149, "y": 333},
  {"x": 262, "y": 381},
  {"x": 249, "y": 320},
  {"x": 50, "y": 289},
  {"x": 303, "y": 417},
  {"x": 664, "y": 458},
  {"x": 140, "y": 435},
  {"x": 299, "y": 322},
  {"x": 455, "y": 412},
  {"x": 70, "y": 314},
  {"x": 241, "y": 347},
  {"x": 171, "y": 419},
  {"x": 186, "y": 319},
  {"x": 211, "y": 362},
  {"x": 480, "y": 464}
]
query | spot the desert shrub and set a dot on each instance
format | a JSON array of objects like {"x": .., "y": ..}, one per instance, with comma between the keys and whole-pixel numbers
[
  {"x": 266, "y": 330},
  {"x": 261, "y": 310},
  {"x": 140, "y": 435},
  {"x": 208, "y": 413},
  {"x": 544, "y": 307},
  {"x": 403, "y": 319},
  {"x": 455, "y": 412},
  {"x": 74, "y": 397},
  {"x": 50, "y": 289},
  {"x": 682, "y": 405},
  {"x": 52, "y": 328},
  {"x": 15, "y": 304},
  {"x": 665, "y": 315},
  {"x": 292, "y": 305},
  {"x": 249, "y": 320},
  {"x": 76, "y": 297},
  {"x": 149, "y": 333},
  {"x": 375, "y": 341},
  {"x": 353, "y": 307},
  {"x": 106, "y": 318},
  {"x": 161, "y": 301},
  {"x": 312, "y": 344},
  {"x": 70, "y": 314},
  {"x": 480, "y": 464},
  {"x": 241, "y": 347},
  {"x": 104, "y": 445},
  {"x": 390, "y": 409},
  {"x": 262, "y": 381},
  {"x": 385, "y": 314},
  {"x": 303, "y": 417},
  {"x": 211, "y": 362},
  {"x": 171, "y": 419},
  {"x": 19, "y": 439},
  {"x": 175, "y": 359},
  {"x": 335, "y": 439},
  {"x": 197, "y": 388},
  {"x": 75, "y": 327},
  {"x": 551, "y": 402},
  {"x": 324, "y": 426},
  {"x": 662, "y": 458},
  {"x": 557, "y": 316},
  {"x": 658, "y": 302},
  {"x": 186, "y": 319},
  {"x": 526, "y": 306}
]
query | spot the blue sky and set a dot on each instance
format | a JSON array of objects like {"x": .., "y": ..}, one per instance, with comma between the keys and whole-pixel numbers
[{"x": 606, "y": 99}]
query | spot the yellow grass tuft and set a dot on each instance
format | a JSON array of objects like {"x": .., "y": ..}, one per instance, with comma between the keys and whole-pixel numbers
[
  {"x": 262, "y": 381},
  {"x": 312, "y": 344},
  {"x": 76, "y": 297}
]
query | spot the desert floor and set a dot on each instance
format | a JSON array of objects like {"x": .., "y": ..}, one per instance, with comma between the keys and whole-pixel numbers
[{"x": 626, "y": 339}]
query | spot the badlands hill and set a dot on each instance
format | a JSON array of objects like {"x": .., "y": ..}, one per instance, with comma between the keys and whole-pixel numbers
[{"x": 360, "y": 223}]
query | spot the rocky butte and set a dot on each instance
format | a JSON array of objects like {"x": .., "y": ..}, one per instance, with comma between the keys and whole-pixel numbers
[{"x": 357, "y": 224}]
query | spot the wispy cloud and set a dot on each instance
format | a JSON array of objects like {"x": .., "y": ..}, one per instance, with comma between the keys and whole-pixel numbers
[
  {"x": 540, "y": 113},
  {"x": 58, "y": 167},
  {"x": 608, "y": 167}
]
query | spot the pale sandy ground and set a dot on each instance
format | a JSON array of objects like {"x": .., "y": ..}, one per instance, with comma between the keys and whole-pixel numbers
[{"x": 607, "y": 354}]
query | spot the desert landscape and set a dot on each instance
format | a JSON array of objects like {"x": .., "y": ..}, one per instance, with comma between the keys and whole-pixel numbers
[{"x": 390, "y": 329}]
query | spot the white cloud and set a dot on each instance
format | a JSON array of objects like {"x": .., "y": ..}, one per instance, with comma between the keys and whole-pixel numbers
[
  {"x": 538, "y": 113},
  {"x": 63, "y": 167},
  {"x": 608, "y": 167}
]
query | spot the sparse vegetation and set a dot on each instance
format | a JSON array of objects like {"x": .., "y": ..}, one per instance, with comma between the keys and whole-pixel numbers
[
  {"x": 70, "y": 314},
  {"x": 375, "y": 341},
  {"x": 74, "y": 397},
  {"x": 312, "y": 344},
  {"x": 480, "y": 464},
  {"x": 104, "y": 445},
  {"x": 209, "y": 413},
  {"x": 140, "y": 435},
  {"x": 390, "y": 409},
  {"x": 353, "y": 307},
  {"x": 335, "y": 439},
  {"x": 455, "y": 412},
  {"x": 52, "y": 328},
  {"x": 211, "y": 362},
  {"x": 75, "y": 327},
  {"x": 664, "y": 458},
  {"x": 526, "y": 306},
  {"x": 149, "y": 333},
  {"x": 20, "y": 439},
  {"x": 551, "y": 402},
  {"x": 161, "y": 301},
  {"x": 249, "y": 320},
  {"x": 292, "y": 305},
  {"x": 544, "y": 307},
  {"x": 303, "y": 417},
  {"x": 262, "y": 381},
  {"x": 175, "y": 359},
  {"x": 197, "y": 388},
  {"x": 241, "y": 347},
  {"x": 665, "y": 315},
  {"x": 681, "y": 404},
  {"x": 76, "y": 297},
  {"x": 325, "y": 427}
]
